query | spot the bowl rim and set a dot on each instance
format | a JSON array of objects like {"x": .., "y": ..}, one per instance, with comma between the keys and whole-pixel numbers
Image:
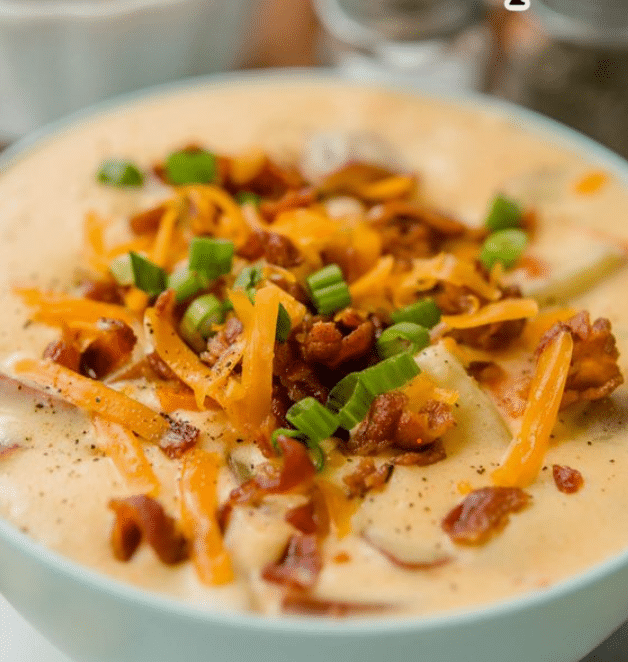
[
  {"x": 535, "y": 123},
  {"x": 29, "y": 10}
]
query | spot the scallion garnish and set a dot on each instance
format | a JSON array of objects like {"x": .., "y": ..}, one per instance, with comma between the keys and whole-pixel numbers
[
  {"x": 286, "y": 432},
  {"x": 402, "y": 337},
  {"x": 248, "y": 197},
  {"x": 312, "y": 419},
  {"x": 247, "y": 279},
  {"x": 352, "y": 396},
  {"x": 210, "y": 257},
  {"x": 328, "y": 289},
  {"x": 117, "y": 172},
  {"x": 424, "y": 312},
  {"x": 185, "y": 284},
  {"x": 121, "y": 269},
  {"x": 133, "y": 269},
  {"x": 198, "y": 318},
  {"x": 191, "y": 167},
  {"x": 505, "y": 246},
  {"x": 504, "y": 214},
  {"x": 284, "y": 324}
]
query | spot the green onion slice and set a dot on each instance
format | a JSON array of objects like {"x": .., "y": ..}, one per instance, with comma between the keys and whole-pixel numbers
[
  {"x": 248, "y": 197},
  {"x": 295, "y": 434},
  {"x": 312, "y": 419},
  {"x": 247, "y": 279},
  {"x": 147, "y": 276},
  {"x": 505, "y": 246},
  {"x": 191, "y": 167},
  {"x": 199, "y": 317},
  {"x": 117, "y": 172},
  {"x": 185, "y": 284},
  {"x": 503, "y": 214},
  {"x": 284, "y": 324},
  {"x": 424, "y": 312},
  {"x": 122, "y": 270},
  {"x": 352, "y": 396},
  {"x": 328, "y": 289},
  {"x": 402, "y": 337},
  {"x": 211, "y": 257}
]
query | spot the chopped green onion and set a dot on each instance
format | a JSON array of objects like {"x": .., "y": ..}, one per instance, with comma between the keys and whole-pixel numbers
[
  {"x": 285, "y": 432},
  {"x": 352, "y": 396},
  {"x": 505, "y": 246},
  {"x": 198, "y": 318},
  {"x": 402, "y": 337},
  {"x": 284, "y": 324},
  {"x": 248, "y": 197},
  {"x": 389, "y": 374},
  {"x": 211, "y": 257},
  {"x": 350, "y": 400},
  {"x": 117, "y": 172},
  {"x": 504, "y": 214},
  {"x": 121, "y": 269},
  {"x": 191, "y": 167},
  {"x": 185, "y": 284},
  {"x": 312, "y": 419},
  {"x": 424, "y": 312},
  {"x": 247, "y": 279},
  {"x": 328, "y": 289},
  {"x": 147, "y": 276}
]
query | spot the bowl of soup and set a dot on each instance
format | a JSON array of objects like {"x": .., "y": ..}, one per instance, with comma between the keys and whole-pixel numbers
[{"x": 339, "y": 377}]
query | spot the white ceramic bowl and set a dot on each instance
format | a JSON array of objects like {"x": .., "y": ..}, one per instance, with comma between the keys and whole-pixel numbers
[
  {"x": 94, "y": 618},
  {"x": 57, "y": 56}
]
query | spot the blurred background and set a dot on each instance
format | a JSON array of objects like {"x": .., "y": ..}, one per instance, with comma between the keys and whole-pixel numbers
[{"x": 565, "y": 58}]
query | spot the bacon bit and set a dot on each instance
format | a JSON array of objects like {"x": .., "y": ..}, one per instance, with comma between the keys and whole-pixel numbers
[
  {"x": 275, "y": 248},
  {"x": 6, "y": 450},
  {"x": 405, "y": 564},
  {"x": 483, "y": 513},
  {"x": 567, "y": 480},
  {"x": 367, "y": 477},
  {"x": 298, "y": 566},
  {"x": 63, "y": 352},
  {"x": 313, "y": 516},
  {"x": 219, "y": 344},
  {"x": 102, "y": 290},
  {"x": 292, "y": 199},
  {"x": 308, "y": 605},
  {"x": 139, "y": 517},
  {"x": 110, "y": 350},
  {"x": 426, "y": 455},
  {"x": 533, "y": 266},
  {"x": 148, "y": 221},
  {"x": 591, "y": 183},
  {"x": 181, "y": 437},
  {"x": 594, "y": 372}
]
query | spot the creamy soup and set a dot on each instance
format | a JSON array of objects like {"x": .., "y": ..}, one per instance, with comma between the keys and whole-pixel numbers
[{"x": 394, "y": 554}]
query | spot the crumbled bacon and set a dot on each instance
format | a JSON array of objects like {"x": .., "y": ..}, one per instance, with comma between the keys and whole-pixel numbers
[
  {"x": 102, "y": 290},
  {"x": 218, "y": 344},
  {"x": 142, "y": 517},
  {"x": 271, "y": 181},
  {"x": 295, "y": 375},
  {"x": 110, "y": 350},
  {"x": 324, "y": 343},
  {"x": 312, "y": 516},
  {"x": 410, "y": 230},
  {"x": 424, "y": 456},
  {"x": 567, "y": 480},
  {"x": 366, "y": 477},
  {"x": 594, "y": 372},
  {"x": 388, "y": 423},
  {"x": 297, "y": 602},
  {"x": 299, "y": 565},
  {"x": 181, "y": 437},
  {"x": 291, "y": 199},
  {"x": 64, "y": 352},
  {"x": 483, "y": 513},
  {"x": 6, "y": 450},
  {"x": 146, "y": 222},
  {"x": 275, "y": 248}
]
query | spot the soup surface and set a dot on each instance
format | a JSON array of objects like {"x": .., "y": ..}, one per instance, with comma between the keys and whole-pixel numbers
[{"x": 57, "y": 483}]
